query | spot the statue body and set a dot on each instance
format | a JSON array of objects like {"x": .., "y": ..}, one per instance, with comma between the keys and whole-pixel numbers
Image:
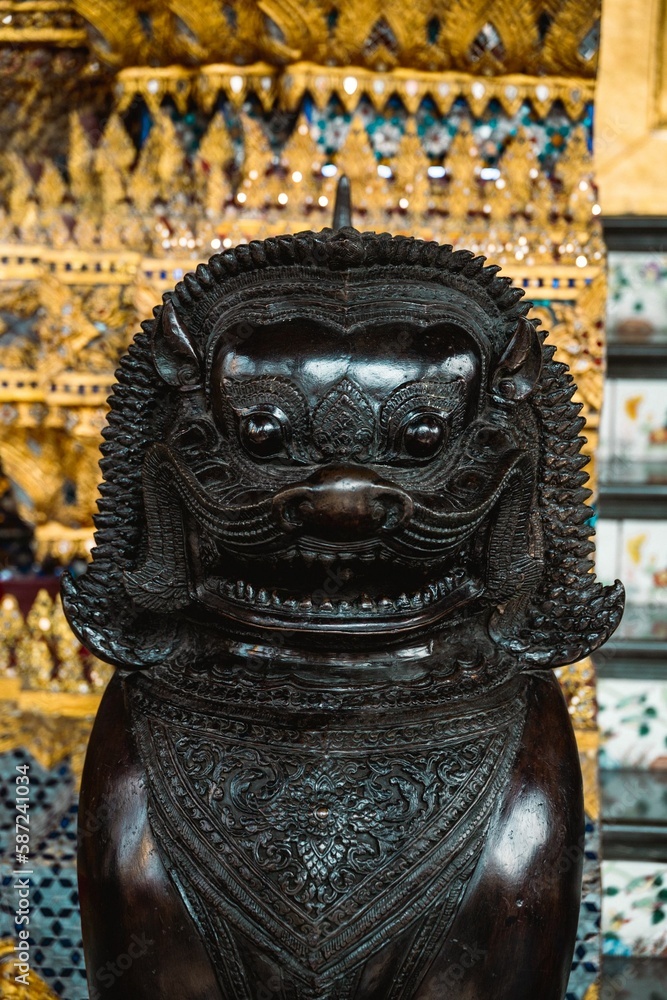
[{"x": 341, "y": 545}]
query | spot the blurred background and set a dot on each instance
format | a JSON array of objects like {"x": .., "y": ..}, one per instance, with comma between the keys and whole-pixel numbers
[{"x": 136, "y": 139}]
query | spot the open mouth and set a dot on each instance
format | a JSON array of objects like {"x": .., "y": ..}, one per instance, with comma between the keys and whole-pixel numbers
[
  {"x": 266, "y": 607},
  {"x": 251, "y": 569}
]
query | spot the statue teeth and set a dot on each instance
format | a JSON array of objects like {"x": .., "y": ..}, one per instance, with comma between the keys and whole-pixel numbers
[{"x": 240, "y": 590}]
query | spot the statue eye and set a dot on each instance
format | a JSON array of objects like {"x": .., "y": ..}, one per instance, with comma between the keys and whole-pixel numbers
[
  {"x": 424, "y": 435},
  {"x": 262, "y": 434}
]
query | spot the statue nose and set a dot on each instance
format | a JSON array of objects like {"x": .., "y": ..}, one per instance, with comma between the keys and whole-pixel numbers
[{"x": 342, "y": 503}]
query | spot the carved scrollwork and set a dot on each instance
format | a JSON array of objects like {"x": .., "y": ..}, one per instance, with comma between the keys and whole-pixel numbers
[{"x": 314, "y": 837}]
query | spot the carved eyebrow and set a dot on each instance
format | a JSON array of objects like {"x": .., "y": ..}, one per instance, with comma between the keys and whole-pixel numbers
[
  {"x": 276, "y": 390},
  {"x": 255, "y": 392},
  {"x": 446, "y": 395}
]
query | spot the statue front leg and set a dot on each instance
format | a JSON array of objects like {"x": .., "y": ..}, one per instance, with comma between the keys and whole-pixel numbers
[
  {"x": 139, "y": 940},
  {"x": 514, "y": 936}
]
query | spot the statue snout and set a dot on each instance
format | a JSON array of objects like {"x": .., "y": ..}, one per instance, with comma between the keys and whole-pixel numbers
[{"x": 342, "y": 503}]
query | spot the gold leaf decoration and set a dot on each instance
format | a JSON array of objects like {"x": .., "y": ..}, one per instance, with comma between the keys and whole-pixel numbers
[{"x": 10, "y": 988}]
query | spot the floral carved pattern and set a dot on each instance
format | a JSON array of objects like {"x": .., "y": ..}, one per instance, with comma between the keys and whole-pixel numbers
[
  {"x": 315, "y": 841},
  {"x": 343, "y": 422},
  {"x": 319, "y": 828}
]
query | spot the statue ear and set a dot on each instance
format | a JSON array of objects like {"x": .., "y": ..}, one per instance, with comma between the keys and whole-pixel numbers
[
  {"x": 519, "y": 368},
  {"x": 174, "y": 353}
]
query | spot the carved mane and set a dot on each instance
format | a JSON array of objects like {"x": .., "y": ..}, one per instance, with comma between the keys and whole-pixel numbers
[{"x": 568, "y": 616}]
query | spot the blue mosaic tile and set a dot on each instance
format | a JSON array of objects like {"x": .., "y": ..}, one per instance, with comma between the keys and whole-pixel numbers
[
  {"x": 586, "y": 961},
  {"x": 55, "y": 923},
  {"x": 51, "y": 795}
]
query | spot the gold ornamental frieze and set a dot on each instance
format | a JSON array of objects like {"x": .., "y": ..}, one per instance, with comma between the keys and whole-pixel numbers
[
  {"x": 84, "y": 258},
  {"x": 487, "y": 38},
  {"x": 92, "y": 236},
  {"x": 286, "y": 86},
  {"x": 195, "y": 127},
  {"x": 30, "y": 22},
  {"x": 50, "y": 687},
  {"x": 122, "y": 205}
]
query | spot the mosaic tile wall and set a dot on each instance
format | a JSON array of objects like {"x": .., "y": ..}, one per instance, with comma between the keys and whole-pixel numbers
[
  {"x": 586, "y": 961},
  {"x": 634, "y": 908},
  {"x": 637, "y": 292},
  {"x": 633, "y": 723},
  {"x": 634, "y": 419},
  {"x": 633, "y": 427},
  {"x": 633, "y": 712},
  {"x": 55, "y": 925},
  {"x": 636, "y": 553}
]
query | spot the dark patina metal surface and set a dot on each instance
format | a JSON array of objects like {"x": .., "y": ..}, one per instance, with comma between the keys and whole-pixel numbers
[{"x": 342, "y": 541}]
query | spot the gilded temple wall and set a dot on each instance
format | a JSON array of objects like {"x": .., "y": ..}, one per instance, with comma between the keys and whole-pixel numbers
[
  {"x": 468, "y": 123},
  {"x": 137, "y": 141}
]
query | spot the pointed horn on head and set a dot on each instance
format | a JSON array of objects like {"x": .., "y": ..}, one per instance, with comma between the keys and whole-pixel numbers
[{"x": 342, "y": 216}]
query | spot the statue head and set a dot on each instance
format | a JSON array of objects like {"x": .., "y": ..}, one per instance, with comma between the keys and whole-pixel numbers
[{"x": 351, "y": 438}]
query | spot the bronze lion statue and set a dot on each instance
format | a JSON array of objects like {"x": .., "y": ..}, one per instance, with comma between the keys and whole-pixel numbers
[{"x": 341, "y": 543}]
